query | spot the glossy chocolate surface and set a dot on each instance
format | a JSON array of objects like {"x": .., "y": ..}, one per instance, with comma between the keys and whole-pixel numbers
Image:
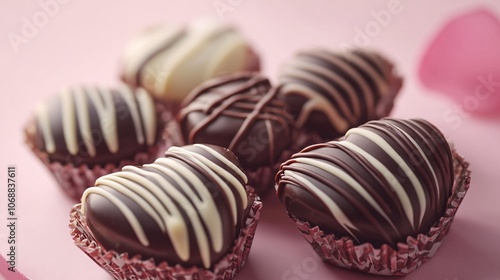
[
  {"x": 170, "y": 60},
  {"x": 96, "y": 125},
  {"x": 329, "y": 93},
  {"x": 382, "y": 182},
  {"x": 240, "y": 112},
  {"x": 186, "y": 208}
]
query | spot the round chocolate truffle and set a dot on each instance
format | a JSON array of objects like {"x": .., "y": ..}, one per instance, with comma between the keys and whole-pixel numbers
[
  {"x": 329, "y": 93},
  {"x": 170, "y": 60},
  {"x": 96, "y": 125},
  {"x": 384, "y": 181},
  {"x": 186, "y": 208},
  {"x": 240, "y": 112}
]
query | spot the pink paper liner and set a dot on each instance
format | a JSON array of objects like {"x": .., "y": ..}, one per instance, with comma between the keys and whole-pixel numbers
[
  {"x": 121, "y": 266},
  {"x": 75, "y": 179},
  {"x": 385, "y": 260}
]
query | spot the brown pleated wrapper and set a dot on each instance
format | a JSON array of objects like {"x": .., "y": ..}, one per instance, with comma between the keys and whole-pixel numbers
[
  {"x": 123, "y": 266},
  {"x": 75, "y": 179},
  {"x": 385, "y": 260}
]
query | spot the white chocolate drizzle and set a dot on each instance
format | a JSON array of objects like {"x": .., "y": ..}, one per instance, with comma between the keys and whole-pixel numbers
[
  {"x": 75, "y": 105},
  {"x": 317, "y": 84},
  {"x": 390, "y": 178},
  {"x": 386, "y": 147},
  {"x": 44, "y": 121},
  {"x": 349, "y": 180},
  {"x": 170, "y": 60},
  {"x": 157, "y": 197},
  {"x": 104, "y": 105},
  {"x": 381, "y": 182},
  {"x": 334, "y": 208}
]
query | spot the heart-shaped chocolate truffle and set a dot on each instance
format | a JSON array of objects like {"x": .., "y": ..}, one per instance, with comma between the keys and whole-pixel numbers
[
  {"x": 382, "y": 182},
  {"x": 186, "y": 208}
]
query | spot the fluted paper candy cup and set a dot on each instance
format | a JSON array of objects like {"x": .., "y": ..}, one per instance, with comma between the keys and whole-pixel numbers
[
  {"x": 123, "y": 266},
  {"x": 342, "y": 251}
]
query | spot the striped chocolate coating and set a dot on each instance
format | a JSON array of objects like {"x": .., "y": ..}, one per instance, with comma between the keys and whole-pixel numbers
[
  {"x": 185, "y": 208},
  {"x": 330, "y": 92},
  {"x": 240, "y": 112},
  {"x": 384, "y": 181},
  {"x": 96, "y": 125},
  {"x": 170, "y": 60}
]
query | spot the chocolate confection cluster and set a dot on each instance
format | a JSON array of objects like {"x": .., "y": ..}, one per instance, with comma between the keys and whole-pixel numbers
[{"x": 320, "y": 136}]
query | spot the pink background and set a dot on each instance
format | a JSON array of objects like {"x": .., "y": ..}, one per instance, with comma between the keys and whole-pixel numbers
[{"x": 81, "y": 43}]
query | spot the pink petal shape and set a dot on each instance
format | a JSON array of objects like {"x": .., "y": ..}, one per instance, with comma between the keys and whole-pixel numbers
[{"x": 463, "y": 62}]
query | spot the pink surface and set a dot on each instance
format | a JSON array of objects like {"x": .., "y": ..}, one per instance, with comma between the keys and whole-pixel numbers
[
  {"x": 80, "y": 42},
  {"x": 463, "y": 62}
]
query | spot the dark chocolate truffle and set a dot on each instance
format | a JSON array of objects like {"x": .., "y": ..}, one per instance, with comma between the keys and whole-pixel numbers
[
  {"x": 96, "y": 125},
  {"x": 384, "y": 181},
  {"x": 240, "y": 112},
  {"x": 186, "y": 208},
  {"x": 329, "y": 93}
]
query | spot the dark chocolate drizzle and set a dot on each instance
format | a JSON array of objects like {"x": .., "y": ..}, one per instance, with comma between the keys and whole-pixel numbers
[
  {"x": 240, "y": 112},
  {"x": 367, "y": 75},
  {"x": 341, "y": 174},
  {"x": 113, "y": 229}
]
